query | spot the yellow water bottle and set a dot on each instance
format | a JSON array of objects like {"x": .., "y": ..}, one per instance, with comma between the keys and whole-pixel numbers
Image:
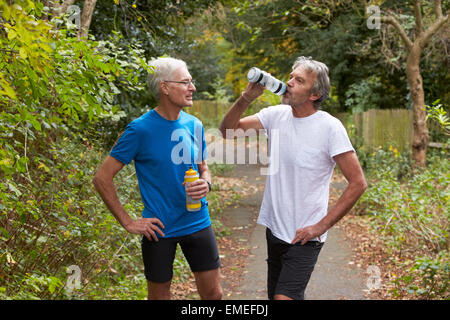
[{"x": 191, "y": 204}]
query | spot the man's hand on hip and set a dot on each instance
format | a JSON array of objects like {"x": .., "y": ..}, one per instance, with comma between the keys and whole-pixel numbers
[
  {"x": 305, "y": 234},
  {"x": 147, "y": 227}
]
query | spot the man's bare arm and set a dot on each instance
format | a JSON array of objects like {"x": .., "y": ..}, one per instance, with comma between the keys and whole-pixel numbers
[
  {"x": 232, "y": 119},
  {"x": 104, "y": 184}
]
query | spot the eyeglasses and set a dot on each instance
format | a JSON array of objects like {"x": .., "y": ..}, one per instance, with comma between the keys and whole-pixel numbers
[{"x": 186, "y": 83}]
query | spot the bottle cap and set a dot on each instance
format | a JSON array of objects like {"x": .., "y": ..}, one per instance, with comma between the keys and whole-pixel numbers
[
  {"x": 191, "y": 172},
  {"x": 254, "y": 75}
]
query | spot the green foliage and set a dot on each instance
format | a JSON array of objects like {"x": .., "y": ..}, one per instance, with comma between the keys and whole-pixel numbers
[
  {"x": 364, "y": 66},
  {"x": 60, "y": 104},
  {"x": 53, "y": 85},
  {"x": 161, "y": 26},
  {"x": 433, "y": 274},
  {"x": 363, "y": 96},
  {"x": 54, "y": 91},
  {"x": 170, "y": 27},
  {"x": 220, "y": 169},
  {"x": 414, "y": 208},
  {"x": 438, "y": 114},
  {"x": 57, "y": 222},
  {"x": 410, "y": 214},
  {"x": 394, "y": 165}
]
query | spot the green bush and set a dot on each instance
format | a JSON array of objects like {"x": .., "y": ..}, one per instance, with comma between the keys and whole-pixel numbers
[
  {"x": 365, "y": 95},
  {"x": 411, "y": 216},
  {"x": 54, "y": 91},
  {"x": 428, "y": 278}
]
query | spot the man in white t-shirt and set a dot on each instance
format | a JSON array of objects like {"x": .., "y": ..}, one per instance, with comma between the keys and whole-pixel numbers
[{"x": 306, "y": 143}]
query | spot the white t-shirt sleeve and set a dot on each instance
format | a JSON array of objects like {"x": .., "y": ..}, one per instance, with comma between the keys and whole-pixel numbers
[
  {"x": 268, "y": 116},
  {"x": 339, "y": 141},
  {"x": 264, "y": 117}
]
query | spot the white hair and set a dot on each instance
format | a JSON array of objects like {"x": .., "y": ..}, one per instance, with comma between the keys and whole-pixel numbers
[
  {"x": 162, "y": 70},
  {"x": 322, "y": 83}
]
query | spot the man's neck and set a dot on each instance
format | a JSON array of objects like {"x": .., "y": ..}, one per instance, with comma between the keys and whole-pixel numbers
[
  {"x": 303, "y": 111},
  {"x": 171, "y": 113}
]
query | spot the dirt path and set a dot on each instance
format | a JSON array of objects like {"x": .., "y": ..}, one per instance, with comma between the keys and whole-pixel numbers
[{"x": 335, "y": 276}]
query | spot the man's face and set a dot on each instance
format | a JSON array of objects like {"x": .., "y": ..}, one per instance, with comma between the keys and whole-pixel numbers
[
  {"x": 299, "y": 87},
  {"x": 180, "y": 94}
]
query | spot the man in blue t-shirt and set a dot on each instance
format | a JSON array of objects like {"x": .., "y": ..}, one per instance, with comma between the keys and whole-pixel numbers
[{"x": 165, "y": 143}]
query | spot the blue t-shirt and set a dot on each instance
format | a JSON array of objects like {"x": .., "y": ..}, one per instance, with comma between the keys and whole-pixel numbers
[{"x": 163, "y": 151}]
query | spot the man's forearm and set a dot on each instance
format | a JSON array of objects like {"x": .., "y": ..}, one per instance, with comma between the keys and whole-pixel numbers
[
  {"x": 107, "y": 191},
  {"x": 203, "y": 170},
  {"x": 205, "y": 175},
  {"x": 349, "y": 165},
  {"x": 231, "y": 119},
  {"x": 347, "y": 200}
]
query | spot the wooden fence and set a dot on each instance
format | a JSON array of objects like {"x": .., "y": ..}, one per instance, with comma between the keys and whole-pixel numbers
[
  {"x": 209, "y": 112},
  {"x": 382, "y": 127}
]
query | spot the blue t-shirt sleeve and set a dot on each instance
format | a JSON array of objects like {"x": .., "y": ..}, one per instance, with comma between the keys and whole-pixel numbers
[{"x": 127, "y": 146}]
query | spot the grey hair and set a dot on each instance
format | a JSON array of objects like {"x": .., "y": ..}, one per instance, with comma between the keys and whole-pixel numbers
[
  {"x": 162, "y": 70},
  {"x": 322, "y": 84}
]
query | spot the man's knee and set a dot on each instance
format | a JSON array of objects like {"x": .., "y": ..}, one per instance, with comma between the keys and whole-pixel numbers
[
  {"x": 212, "y": 293},
  {"x": 208, "y": 284},
  {"x": 158, "y": 291}
]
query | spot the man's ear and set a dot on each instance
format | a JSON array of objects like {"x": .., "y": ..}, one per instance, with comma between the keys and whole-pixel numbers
[
  {"x": 163, "y": 88},
  {"x": 315, "y": 96}
]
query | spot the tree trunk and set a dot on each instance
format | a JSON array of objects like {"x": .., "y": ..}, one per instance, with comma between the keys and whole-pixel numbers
[
  {"x": 86, "y": 17},
  {"x": 414, "y": 50},
  {"x": 420, "y": 137}
]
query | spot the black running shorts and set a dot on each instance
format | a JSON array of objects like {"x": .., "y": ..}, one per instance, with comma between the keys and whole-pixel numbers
[
  {"x": 289, "y": 266},
  {"x": 199, "y": 248}
]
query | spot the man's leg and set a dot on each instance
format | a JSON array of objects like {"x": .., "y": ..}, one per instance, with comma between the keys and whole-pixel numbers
[
  {"x": 281, "y": 297},
  {"x": 298, "y": 265},
  {"x": 158, "y": 290},
  {"x": 158, "y": 259},
  {"x": 202, "y": 254},
  {"x": 208, "y": 284},
  {"x": 274, "y": 255}
]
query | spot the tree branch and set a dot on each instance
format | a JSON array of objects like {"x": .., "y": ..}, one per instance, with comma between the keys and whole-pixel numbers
[
  {"x": 427, "y": 34},
  {"x": 418, "y": 16},
  {"x": 438, "y": 8},
  {"x": 394, "y": 22}
]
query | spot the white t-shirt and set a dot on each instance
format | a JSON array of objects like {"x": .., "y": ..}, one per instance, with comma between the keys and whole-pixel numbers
[{"x": 300, "y": 168}]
